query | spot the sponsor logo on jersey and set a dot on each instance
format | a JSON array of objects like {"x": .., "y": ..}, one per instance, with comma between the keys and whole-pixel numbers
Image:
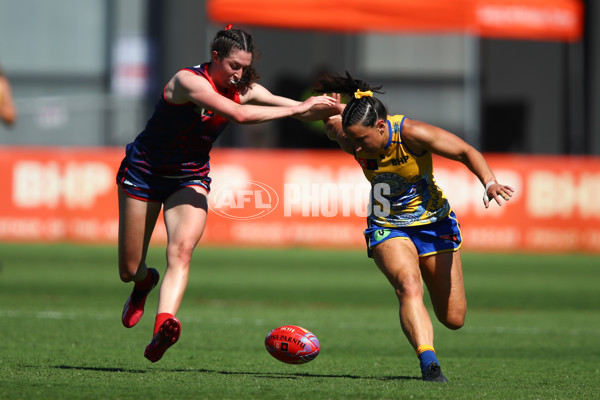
[{"x": 400, "y": 161}]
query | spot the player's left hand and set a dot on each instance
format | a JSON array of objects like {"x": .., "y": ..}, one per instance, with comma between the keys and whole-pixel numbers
[
  {"x": 339, "y": 105},
  {"x": 317, "y": 108},
  {"x": 496, "y": 191}
]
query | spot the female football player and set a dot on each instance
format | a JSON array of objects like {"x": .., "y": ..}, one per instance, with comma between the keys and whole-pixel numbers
[
  {"x": 412, "y": 233},
  {"x": 167, "y": 166}
]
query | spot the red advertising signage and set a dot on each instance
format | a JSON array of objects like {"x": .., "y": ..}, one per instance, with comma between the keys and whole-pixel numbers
[{"x": 301, "y": 198}]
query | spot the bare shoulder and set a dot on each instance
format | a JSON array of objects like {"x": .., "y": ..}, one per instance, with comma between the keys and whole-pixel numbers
[
  {"x": 416, "y": 129},
  {"x": 416, "y": 134},
  {"x": 246, "y": 93},
  {"x": 253, "y": 93},
  {"x": 411, "y": 125},
  {"x": 185, "y": 86},
  {"x": 411, "y": 128},
  {"x": 187, "y": 78}
]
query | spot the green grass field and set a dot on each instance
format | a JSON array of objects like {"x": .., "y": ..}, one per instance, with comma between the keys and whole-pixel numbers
[{"x": 532, "y": 330}]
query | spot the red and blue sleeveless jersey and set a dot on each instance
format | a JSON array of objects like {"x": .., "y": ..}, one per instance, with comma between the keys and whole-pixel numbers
[{"x": 177, "y": 139}]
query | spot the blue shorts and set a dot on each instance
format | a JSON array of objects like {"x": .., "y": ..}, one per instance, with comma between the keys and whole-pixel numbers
[
  {"x": 143, "y": 186},
  {"x": 443, "y": 235}
]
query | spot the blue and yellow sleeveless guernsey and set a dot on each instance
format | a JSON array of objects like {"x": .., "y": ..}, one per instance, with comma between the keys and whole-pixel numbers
[{"x": 403, "y": 190}]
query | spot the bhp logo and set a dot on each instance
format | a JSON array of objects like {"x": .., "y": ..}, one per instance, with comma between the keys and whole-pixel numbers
[
  {"x": 74, "y": 185},
  {"x": 243, "y": 200}
]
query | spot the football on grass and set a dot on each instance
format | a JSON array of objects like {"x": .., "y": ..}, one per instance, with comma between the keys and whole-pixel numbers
[{"x": 292, "y": 344}]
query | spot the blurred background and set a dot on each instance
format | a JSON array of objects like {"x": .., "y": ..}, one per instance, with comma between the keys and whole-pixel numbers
[
  {"x": 89, "y": 72},
  {"x": 517, "y": 79},
  {"x": 86, "y": 74}
]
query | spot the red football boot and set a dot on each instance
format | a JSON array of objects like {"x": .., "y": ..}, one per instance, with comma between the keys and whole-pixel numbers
[
  {"x": 134, "y": 307},
  {"x": 167, "y": 335}
]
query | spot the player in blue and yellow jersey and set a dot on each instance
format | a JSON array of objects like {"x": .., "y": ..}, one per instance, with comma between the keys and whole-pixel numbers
[
  {"x": 412, "y": 233},
  {"x": 167, "y": 166}
]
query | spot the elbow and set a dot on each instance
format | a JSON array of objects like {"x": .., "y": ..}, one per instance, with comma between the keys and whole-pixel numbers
[
  {"x": 468, "y": 154},
  {"x": 240, "y": 120},
  {"x": 333, "y": 127},
  {"x": 241, "y": 116}
]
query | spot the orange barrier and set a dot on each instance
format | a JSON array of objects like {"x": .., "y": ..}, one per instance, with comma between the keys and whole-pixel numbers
[
  {"x": 518, "y": 19},
  {"x": 309, "y": 198}
]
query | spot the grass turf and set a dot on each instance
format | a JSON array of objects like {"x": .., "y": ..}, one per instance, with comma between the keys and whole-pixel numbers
[{"x": 532, "y": 328}]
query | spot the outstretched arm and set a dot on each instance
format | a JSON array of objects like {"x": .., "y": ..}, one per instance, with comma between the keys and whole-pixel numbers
[
  {"x": 186, "y": 86},
  {"x": 420, "y": 136},
  {"x": 316, "y": 109}
]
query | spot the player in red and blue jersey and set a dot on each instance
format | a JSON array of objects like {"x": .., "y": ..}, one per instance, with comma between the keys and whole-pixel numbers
[
  {"x": 167, "y": 167},
  {"x": 412, "y": 233}
]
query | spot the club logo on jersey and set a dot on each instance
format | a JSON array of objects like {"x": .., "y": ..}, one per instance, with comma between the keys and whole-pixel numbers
[
  {"x": 204, "y": 112},
  {"x": 381, "y": 234},
  {"x": 394, "y": 183},
  {"x": 368, "y": 163}
]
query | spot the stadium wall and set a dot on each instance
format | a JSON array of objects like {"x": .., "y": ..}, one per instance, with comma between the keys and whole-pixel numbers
[{"x": 313, "y": 198}]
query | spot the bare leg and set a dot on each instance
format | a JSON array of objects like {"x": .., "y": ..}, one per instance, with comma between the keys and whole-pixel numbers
[
  {"x": 399, "y": 262},
  {"x": 443, "y": 276},
  {"x": 185, "y": 219},
  {"x": 136, "y": 222}
]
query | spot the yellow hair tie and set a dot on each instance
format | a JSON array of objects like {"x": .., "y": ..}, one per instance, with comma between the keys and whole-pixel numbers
[{"x": 359, "y": 94}]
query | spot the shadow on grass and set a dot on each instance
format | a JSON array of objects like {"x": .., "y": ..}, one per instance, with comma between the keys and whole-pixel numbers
[
  {"x": 270, "y": 375},
  {"x": 102, "y": 369}
]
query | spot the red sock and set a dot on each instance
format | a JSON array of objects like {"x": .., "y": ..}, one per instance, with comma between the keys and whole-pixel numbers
[
  {"x": 160, "y": 318},
  {"x": 146, "y": 282}
]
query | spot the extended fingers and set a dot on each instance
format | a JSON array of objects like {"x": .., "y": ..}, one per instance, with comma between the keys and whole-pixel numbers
[
  {"x": 504, "y": 191},
  {"x": 325, "y": 100},
  {"x": 497, "y": 192}
]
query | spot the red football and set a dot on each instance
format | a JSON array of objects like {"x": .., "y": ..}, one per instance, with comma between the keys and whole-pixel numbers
[{"x": 292, "y": 344}]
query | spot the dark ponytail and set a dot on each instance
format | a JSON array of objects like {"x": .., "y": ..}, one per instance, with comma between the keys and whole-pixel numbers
[
  {"x": 228, "y": 39},
  {"x": 362, "y": 108}
]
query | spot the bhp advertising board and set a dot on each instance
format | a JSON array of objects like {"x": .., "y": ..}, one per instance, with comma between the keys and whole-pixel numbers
[{"x": 301, "y": 198}]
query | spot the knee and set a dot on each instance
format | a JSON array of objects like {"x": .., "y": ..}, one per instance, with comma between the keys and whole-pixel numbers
[
  {"x": 454, "y": 323},
  {"x": 454, "y": 320},
  {"x": 180, "y": 253},
  {"x": 409, "y": 287}
]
